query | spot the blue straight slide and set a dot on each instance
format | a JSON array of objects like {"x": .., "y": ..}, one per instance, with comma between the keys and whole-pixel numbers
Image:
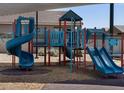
[
  {"x": 103, "y": 62},
  {"x": 13, "y": 46},
  {"x": 109, "y": 62}
]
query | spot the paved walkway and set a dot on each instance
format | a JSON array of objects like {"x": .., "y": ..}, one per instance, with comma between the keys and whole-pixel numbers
[
  {"x": 53, "y": 86},
  {"x": 79, "y": 87}
]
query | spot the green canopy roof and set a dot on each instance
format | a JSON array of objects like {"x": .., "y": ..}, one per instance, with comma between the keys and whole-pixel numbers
[{"x": 69, "y": 16}]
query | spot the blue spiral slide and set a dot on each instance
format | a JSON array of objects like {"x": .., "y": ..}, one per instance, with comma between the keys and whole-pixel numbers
[{"x": 13, "y": 46}]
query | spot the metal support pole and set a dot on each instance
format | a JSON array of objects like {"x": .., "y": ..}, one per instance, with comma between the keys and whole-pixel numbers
[
  {"x": 122, "y": 50},
  {"x": 49, "y": 46},
  {"x": 45, "y": 55},
  {"x": 94, "y": 40},
  {"x": 77, "y": 59},
  {"x": 74, "y": 56},
  {"x": 71, "y": 66},
  {"x": 45, "y": 46},
  {"x": 111, "y": 22},
  {"x": 32, "y": 46},
  {"x": 36, "y": 34},
  {"x": 75, "y": 44},
  {"x": 65, "y": 28},
  {"x": 13, "y": 61},
  {"x": 74, "y": 39},
  {"x": 85, "y": 49},
  {"x": 13, "y": 56},
  {"x": 94, "y": 67},
  {"x": 29, "y": 46},
  {"x": 103, "y": 40},
  {"x": 80, "y": 35},
  {"x": 111, "y": 18},
  {"x": 59, "y": 47},
  {"x": 29, "y": 43}
]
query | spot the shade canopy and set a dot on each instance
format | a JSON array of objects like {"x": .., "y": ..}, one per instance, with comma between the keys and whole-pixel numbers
[{"x": 15, "y": 8}]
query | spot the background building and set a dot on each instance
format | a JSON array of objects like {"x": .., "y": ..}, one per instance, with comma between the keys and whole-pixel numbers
[{"x": 46, "y": 18}]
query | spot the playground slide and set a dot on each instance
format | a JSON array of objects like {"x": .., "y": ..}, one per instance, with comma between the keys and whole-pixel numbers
[
  {"x": 13, "y": 46},
  {"x": 68, "y": 52},
  {"x": 109, "y": 62},
  {"x": 103, "y": 61},
  {"x": 98, "y": 61}
]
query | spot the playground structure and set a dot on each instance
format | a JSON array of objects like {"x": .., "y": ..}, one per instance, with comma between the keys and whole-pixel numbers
[
  {"x": 101, "y": 58},
  {"x": 70, "y": 40}
]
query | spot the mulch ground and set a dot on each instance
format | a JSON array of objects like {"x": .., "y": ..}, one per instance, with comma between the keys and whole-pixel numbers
[{"x": 40, "y": 75}]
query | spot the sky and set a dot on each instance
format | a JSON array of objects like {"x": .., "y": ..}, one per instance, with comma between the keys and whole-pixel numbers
[{"x": 98, "y": 15}]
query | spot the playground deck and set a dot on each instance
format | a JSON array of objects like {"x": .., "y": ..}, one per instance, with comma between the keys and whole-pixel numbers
[{"x": 41, "y": 76}]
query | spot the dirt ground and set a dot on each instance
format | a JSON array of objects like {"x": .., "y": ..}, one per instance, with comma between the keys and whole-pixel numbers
[{"x": 40, "y": 75}]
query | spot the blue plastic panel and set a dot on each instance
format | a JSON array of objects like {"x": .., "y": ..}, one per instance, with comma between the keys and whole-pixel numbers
[{"x": 56, "y": 38}]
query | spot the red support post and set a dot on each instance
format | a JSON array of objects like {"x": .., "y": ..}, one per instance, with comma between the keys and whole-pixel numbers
[
  {"x": 103, "y": 42},
  {"x": 85, "y": 49},
  {"x": 29, "y": 43},
  {"x": 122, "y": 50},
  {"x": 77, "y": 63},
  {"x": 103, "y": 39},
  {"x": 94, "y": 39},
  {"x": 59, "y": 55},
  {"x": 64, "y": 56},
  {"x": 36, "y": 35},
  {"x": 49, "y": 46},
  {"x": 94, "y": 67},
  {"x": 80, "y": 51},
  {"x": 13, "y": 61},
  {"x": 80, "y": 35},
  {"x": 45, "y": 55},
  {"x": 74, "y": 43},
  {"x": 59, "y": 47},
  {"x": 74, "y": 56},
  {"x": 31, "y": 46},
  {"x": 13, "y": 57},
  {"x": 77, "y": 59}
]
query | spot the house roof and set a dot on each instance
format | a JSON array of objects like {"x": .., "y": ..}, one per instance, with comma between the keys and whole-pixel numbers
[
  {"x": 120, "y": 28},
  {"x": 44, "y": 17},
  {"x": 69, "y": 16}
]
